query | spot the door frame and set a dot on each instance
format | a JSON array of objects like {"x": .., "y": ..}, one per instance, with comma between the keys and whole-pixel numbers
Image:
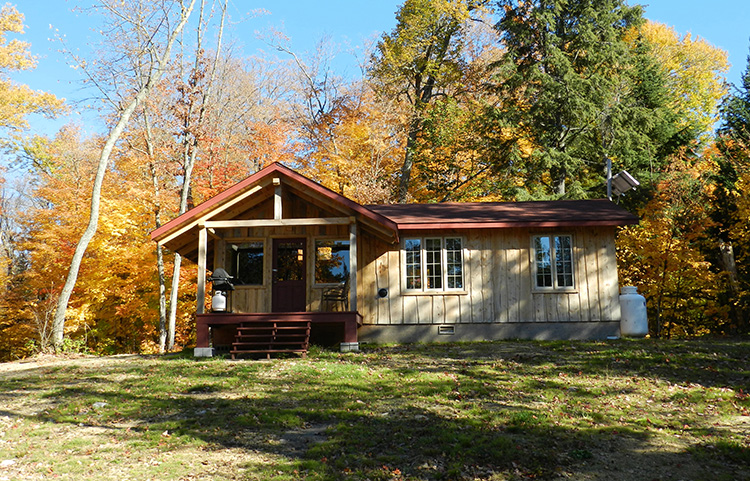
[{"x": 276, "y": 290}]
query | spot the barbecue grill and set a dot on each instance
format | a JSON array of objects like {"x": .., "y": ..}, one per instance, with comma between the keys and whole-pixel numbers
[{"x": 222, "y": 285}]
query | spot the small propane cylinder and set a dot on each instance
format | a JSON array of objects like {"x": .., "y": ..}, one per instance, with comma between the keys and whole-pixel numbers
[
  {"x": 634, "y": 321},
  {"x": 219, "y": 301}
]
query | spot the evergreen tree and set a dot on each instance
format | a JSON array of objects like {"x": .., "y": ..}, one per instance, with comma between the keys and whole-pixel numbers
[
  {"x": 580, "y": 93},
  {"x": 735, "y": 118}
]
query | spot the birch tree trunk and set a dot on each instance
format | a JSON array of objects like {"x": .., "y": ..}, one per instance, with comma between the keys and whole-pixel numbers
[
  {"x": 190, "y": 152},
  {"x": 157, "y": 222},
  {"x": 159, "y": 64}
]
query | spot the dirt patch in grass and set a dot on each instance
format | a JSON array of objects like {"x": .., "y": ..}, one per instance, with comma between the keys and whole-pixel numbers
[{"x": 621, "y": 410}]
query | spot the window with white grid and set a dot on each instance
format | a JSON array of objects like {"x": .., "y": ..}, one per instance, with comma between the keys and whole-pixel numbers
[
  {"x": 553, "y": 262},
  {"x": 433, "y": 264}
]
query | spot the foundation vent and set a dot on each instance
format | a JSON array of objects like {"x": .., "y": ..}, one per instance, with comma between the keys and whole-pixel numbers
[{"x": 446, "y": 330}]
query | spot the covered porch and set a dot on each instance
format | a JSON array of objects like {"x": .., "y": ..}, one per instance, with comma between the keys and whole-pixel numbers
[
  {"x": 287, "y": 243},
  {"x": 282, "y": 283}
]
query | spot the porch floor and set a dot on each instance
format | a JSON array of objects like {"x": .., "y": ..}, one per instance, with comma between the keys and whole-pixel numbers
[{"x": 326, "y": 328}]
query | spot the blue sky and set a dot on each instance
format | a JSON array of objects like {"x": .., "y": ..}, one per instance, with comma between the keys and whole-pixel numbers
[{"x": 349, "y": 23}]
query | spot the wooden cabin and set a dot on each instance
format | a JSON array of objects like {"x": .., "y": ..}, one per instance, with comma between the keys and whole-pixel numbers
[{"x": 299, "y": 252}]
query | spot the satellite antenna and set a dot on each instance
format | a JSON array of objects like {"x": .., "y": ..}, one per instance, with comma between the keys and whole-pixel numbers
[
  {"x": 623, "y": 182},
  {"x": 620, "y": 183}
]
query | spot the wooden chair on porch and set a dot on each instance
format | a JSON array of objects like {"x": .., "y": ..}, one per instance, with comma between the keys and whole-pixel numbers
[{"x": 337, "y": 296}]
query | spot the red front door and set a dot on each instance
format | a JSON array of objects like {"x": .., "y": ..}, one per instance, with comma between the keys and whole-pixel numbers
[{"x": 289, "y": 276}]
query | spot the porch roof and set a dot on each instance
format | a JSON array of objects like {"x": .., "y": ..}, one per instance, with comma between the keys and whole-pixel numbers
[
  {"x": 487, "y": 215},
  {"x": 181, "y": 233}
]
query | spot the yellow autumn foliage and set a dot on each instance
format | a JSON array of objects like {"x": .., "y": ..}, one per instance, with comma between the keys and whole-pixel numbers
[
  {"x": 18, "y": 101},
  {"x": 662, "y": 255},
  {"x": 113, "y": 306},
  {"x": 694, "y": 71},
  {"x": 360, "y": 147}
]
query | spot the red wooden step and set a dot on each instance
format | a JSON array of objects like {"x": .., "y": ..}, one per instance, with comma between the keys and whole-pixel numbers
[{"x": 268, "y": 337}]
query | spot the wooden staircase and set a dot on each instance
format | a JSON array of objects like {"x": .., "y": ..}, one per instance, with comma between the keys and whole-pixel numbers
[{"x": 271, "y": 337}]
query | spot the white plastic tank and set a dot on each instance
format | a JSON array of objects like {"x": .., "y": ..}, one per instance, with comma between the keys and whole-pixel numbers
[
  {"x": 634, "y": 321},
  {"x": 219, "y": 302}
]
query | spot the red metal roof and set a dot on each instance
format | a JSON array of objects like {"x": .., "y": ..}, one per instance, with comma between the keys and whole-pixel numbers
[
  {"x": 396, "y": 217},
  {"x": 473, "y": 215}
]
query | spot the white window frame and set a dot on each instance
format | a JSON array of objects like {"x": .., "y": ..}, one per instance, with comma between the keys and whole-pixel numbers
[
  {"x": 555, "y": 287},
  {"x": 423, "y": 265}
]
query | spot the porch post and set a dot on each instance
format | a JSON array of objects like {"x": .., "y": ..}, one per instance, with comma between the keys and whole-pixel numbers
[
  {"x": 277, "y": 205},
  {"x": 350, "y": 343},
  {"x": 353, "y": 265},
  {"x": 201, "y": 295}
]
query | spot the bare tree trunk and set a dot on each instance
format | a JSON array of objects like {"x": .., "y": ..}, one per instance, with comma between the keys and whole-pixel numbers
[
  {"x": 411, "y": 145},
  {"x": 173, "y": 294},
  {"x": 159, "y": 249},
  {"x": 150, "y": 152},
  {"x": 729, "y": 264},
  {"x": 190, "y": 153},
  {"x": 58, "y": 323},
  {"x": 559, "y": 174},
  {"x": 162, "y": 299}
]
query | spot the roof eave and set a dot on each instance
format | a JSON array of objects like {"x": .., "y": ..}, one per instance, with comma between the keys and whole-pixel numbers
[{"x": 512, "y": 225}]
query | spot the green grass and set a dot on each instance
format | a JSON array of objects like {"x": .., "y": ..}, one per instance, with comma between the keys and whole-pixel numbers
[{"x": 477, "y": 411}]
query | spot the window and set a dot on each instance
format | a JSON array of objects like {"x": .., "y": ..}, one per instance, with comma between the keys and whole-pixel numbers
[
  {"x": 331, "y": 261},
  {"x": 454, "y": 263},
  {"x": 413, "y": 249},
  {"x": 247, "y": 263},
  {"x": 433, "y": 264},
  {"x": 553, "y": 262}
]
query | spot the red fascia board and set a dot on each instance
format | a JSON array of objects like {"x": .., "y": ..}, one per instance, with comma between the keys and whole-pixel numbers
[{"x": 203, "y": 207}]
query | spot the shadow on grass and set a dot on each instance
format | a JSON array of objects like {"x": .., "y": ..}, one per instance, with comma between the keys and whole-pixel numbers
[
  {"x": 708, "y": 363},
  {"x": 454, "y": 411}
]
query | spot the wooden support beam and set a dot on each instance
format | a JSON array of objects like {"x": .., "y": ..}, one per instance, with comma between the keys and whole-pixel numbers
[
  {"x": 202, "y": 248},
  {"x": 213, "y": 234},
  {"x": 277, "y": 205},
  {"x": 353, "y": 267},
  {"x": 236, "y": 200},
  {"x": 191, "y": 225},
  {"x": 232, "y": 224}
]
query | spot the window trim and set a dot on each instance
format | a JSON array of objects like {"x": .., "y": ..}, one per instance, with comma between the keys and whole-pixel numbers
[
  {"x": 423, "y": 289},
  {"x": 553, "y": 255}
]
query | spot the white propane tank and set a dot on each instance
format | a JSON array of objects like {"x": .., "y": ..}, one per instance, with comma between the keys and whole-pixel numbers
[
  {"x": 219, "y": 302},
  {"x": 634, "y": 321}
]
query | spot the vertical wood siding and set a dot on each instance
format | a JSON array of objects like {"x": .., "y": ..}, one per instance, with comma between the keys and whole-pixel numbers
[
  {"x": 498, "y": 281},
  {"x": 497, "y": 277},
  {"x": 248, "y": 299}
]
